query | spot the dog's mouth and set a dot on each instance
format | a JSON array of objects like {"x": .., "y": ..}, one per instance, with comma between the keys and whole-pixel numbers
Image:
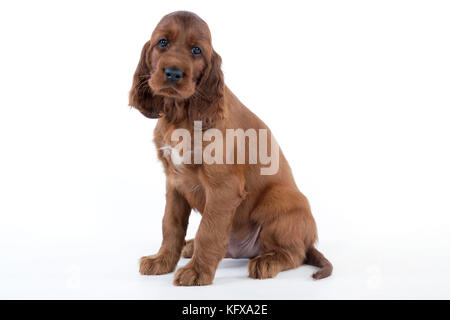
[
  {"x": 164, "y": 89},
  {"x": 172, "y": 90}
]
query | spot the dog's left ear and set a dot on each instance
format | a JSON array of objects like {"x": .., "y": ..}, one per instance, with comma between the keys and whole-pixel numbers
[
  {"x": 208, "y": 105},
  {"x": 141, "y": 96}
]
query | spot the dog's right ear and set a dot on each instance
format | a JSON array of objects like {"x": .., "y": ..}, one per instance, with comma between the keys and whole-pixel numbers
[{"x": 141, "y": 96}]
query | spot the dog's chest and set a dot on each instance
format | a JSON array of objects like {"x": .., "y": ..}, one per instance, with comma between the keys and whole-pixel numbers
[
  {"x": 181, "y": 173},
  {"x": 173, "y": 157},
  {"x": 175, "y": 148},
  {"x": 190, "y": 188}
]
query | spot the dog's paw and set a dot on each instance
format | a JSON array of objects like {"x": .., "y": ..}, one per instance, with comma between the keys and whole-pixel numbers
[
  {"x": 156, "y": 264},
  {"x": 189, "y": 276},
  {"x": 263, "y": 267}
]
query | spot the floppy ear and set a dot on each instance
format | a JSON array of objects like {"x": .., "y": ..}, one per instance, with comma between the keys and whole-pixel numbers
[
  {"x": 141, "y": 96},
  {"x": 207, "y": 103}
]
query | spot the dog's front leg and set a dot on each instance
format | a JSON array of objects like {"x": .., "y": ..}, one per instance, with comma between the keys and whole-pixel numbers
[
  {"x": 175, "y": 221},
  {"x": 212, "y": 237}
]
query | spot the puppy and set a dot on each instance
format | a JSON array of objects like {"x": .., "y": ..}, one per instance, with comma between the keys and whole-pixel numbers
[{"x": 250, "y": 205}]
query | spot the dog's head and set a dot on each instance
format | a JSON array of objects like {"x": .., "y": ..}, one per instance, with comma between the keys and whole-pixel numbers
[{"x": 178, "y": 62}]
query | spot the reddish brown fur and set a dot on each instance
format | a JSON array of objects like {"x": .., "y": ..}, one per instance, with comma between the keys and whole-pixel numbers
[{"x": 232, "y": 199}]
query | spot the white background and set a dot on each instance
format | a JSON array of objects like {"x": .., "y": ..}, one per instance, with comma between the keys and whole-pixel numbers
[{"x": 356, "y": 92}]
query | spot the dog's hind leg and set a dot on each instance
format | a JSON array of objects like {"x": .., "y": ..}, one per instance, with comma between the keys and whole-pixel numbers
[{"x": 288, "y": 231}]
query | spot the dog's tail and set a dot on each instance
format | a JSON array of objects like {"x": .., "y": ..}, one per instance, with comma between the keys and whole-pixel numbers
[{"x": 316, "y": 259}]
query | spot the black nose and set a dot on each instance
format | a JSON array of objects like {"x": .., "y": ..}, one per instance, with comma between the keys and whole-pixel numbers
[{"x": 173, "y": 74}]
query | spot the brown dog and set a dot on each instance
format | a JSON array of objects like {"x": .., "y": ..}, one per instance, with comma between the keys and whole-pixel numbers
[{"x": 245, "y": 214}]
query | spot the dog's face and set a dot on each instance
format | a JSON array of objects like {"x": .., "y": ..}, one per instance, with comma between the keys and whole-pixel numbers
[
  {"x": 178, "y": 62},
  {"x": 179, "y": 53}
]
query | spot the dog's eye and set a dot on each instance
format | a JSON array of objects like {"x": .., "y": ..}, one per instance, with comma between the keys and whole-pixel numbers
[
  {"x": 196, "y": 51},
  {"x": 163, "y": 43}
]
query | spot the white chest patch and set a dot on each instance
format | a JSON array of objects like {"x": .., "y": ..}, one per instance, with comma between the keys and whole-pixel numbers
[{"x": 173, "y": 154}]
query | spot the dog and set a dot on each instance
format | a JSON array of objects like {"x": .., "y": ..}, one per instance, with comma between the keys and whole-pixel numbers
[{"x": 245, "y": 214}]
